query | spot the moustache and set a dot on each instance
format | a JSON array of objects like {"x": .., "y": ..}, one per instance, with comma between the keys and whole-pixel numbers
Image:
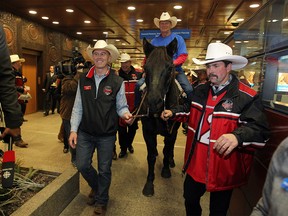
[{"x": 213, "y": 75}]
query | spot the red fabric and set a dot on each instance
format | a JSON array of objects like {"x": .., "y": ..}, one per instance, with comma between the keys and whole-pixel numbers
[
  {"x": 9, "y": 156},
  {"x": 180, "y": 60}
]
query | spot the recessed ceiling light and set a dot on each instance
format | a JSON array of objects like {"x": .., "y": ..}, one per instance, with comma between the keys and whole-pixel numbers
[
  {"x": 32, "y": 12},
  {"x": 238, "y": 42},
  {"x": 139, "y": 20},
  {"x": 105, "y": 32},
  {"x": 69, "y": 10},
  {"x": 45, "y": 17},
  {"x": 179, "y": 20},
  {"x": 123, "y": 44},
  {"x": 117, "y": 40},
  {"x": 285, "y": 20},
  {"x": 94, "y": 39},
  {"x": 254, "y": 5},
  {"x": 239, "y": 19},
  {"x": 227, "y": 33},
  {"x": 131, "y": 8},
  {"x": 177, "y": 7},
  {"x": 79, "y": 33},
  {"x": 55, "y": 22},
  {"x": 87, "y": 21}
]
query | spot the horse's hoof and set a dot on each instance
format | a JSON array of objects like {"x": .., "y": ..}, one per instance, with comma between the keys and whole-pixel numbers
[
  {"x": 148, "y": 189},
  {"x": 166, "y": 173},
  {"x": 172, "y": 163}
]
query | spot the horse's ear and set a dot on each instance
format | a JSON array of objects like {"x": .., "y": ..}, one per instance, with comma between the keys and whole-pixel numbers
[
  {"x": 147, "y": 47},
  {"x": 172, "y": 47}
]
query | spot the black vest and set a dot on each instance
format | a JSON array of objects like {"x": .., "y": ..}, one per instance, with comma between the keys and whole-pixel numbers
[{"x": 99, "y": 114}]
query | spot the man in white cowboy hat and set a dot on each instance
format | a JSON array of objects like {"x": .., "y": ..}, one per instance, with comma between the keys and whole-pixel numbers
[
  {"x": 226, "y": 126},
  {"x": 100, "y": 99},
  {"x": 126, "y": 133},
  {"x": 165, "y": 24},
  {"x": 20, "y": 81}
]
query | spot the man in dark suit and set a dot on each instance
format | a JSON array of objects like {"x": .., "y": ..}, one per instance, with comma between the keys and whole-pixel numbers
[{"x": 49, "y": 88}]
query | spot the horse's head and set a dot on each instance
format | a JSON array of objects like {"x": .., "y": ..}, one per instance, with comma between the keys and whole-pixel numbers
[{"x": 159, "y": 70}]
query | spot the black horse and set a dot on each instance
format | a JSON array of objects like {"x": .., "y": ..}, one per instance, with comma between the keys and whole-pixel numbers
[{"x": 161, "y": 93}]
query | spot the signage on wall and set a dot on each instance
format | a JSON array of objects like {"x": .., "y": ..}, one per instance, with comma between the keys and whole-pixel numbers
[{"x": 149, "y": 34}]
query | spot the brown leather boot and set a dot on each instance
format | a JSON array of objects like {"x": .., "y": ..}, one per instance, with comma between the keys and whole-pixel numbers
[{"x": 21, "y": 144}]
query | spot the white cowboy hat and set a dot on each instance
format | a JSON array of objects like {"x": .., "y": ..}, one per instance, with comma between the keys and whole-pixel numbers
[
  {"x": 164, "y": 17},
  {"x": 222, "y": 52},
  {"x": 101, "y": 44},
  {"x": 124, "y": 57},
  {"x": 15, "y": 58}
]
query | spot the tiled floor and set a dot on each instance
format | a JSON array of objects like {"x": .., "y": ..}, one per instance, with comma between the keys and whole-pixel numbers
[{"x": 128, "y": 174}]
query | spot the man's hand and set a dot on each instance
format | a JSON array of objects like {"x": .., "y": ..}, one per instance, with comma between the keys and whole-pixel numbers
[
  {"x": 225, "y": 144},
  {"x": 13, "y": 132},
  {"x": 73, "y": 139},
  {"x": 128, "y": 117},
  {"x": 166, "y": 114}
]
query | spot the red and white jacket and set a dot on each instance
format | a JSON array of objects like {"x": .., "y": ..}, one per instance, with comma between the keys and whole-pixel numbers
[{"x": 235, "y": 109}]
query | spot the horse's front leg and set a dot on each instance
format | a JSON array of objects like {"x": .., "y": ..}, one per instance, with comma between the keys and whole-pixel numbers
[{"x": 150, "y": 137}]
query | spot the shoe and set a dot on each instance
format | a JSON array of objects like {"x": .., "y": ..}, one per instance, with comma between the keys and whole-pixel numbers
[
  {"x": 172, "y": 163},
  {"x": 122, "y": 154},
  {"x": 45, "y": 114},
  {"x": 65, "y": 150},
  {"x": 100, "y": 209},
  {"x": 21, "y": 144},
  {"x": 131, "y": 149},
  {"x": 91, "y": 198},
  {"x": 114, "y": 157}
]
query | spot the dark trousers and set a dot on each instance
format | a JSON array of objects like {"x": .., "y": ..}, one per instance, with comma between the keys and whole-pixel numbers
[
  {"x": 193, "y": 191},
  {"x": 50, "y": 101},
  {"x": 126, "y": 135}
]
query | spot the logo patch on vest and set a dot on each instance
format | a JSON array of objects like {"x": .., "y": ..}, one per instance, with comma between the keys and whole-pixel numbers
[
  {"x": 228, "y": 105},
  {"x": 86, "y": 88},
  {"x": 107, "y": 90}
]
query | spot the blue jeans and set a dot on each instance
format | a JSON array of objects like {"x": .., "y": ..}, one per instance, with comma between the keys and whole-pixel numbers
[
  {"x": 99, "y": 181},
  {"x": 183, "y": 81}
]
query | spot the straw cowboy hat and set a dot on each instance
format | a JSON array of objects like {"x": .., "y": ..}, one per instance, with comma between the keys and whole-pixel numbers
[
  {"x": 164, "y": 17},
  {"x": 124, "y": 57},
  {"x": 15, "y": 58},
  {"x": 101, "y": 44},
  {"x": 222, "y": 52}
]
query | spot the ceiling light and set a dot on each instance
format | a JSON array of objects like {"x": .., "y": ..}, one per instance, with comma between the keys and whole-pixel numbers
[
  {"x": 254, "y": 5},
  {"x": 179, "y": 20},
  {"x": 177, "y": 7},
  {"x": 55, "y": 22},
  {"x": 139, "y": 20},
  {"x": 105, "y": 33},
  {"x": 45, "y": 17},
  {"x": 131, "y": 8},
  {"x": 227, "y": 33},
  {"x": 32, "y": 12},
  {"x": 285, "y": 20},
  {"x": 87, "y": 21},
  {"x": 69, "y": 10},
  {"x": 79, "y": 33},
  {"x": 238, "y": 42},
  {"x": 117, "y": 40},
  {"x": 94, "y": 39},
  {"x": 239, "y": 19},
  {"x": 123, "y": 44}
]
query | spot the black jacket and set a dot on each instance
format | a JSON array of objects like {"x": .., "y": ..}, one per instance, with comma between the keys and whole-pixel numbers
[{"x": 8, "y": 96}]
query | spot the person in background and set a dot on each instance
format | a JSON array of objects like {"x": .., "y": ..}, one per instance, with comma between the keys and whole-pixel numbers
[
  {"x": 13, "y": 117},
  {"x": 20, "y": 81},
  {"x": 100, "y": 99},
  {"x": 68, "y": 93},
  {"x": 126, "y": 133},
  {"x": 275, "y": 191},
  {"x": 49, "y": 88},
  {"x": 226, "y": 125}
]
